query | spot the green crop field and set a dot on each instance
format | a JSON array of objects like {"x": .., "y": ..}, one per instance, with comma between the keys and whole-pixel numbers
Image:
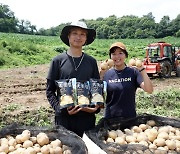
[{"x": 17, "y": 50}]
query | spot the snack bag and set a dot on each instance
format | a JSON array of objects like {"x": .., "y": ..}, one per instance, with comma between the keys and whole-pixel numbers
[
  {"x": 98, "y": 92},
  {"x": 83, "y": 95},
  {"x": 66, "y": 92}
]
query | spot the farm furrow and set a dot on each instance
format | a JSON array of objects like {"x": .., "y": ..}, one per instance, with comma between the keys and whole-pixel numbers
[{"x": 26, "y": 86}]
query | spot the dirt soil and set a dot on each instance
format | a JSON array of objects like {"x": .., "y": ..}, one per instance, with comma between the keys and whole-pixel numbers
[{"x": 26, "y": 86}]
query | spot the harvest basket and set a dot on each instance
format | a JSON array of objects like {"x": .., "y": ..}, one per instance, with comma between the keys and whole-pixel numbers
[
  {"x": 100, "y": 133},
  {"x": 68, "y": 138}
]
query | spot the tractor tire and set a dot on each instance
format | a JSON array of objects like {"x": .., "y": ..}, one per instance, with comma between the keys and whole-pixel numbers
[
  {"x": 150, "y": 75},
  {"x": 178, "y": 71},
  {"x": 166, "y": 69}
]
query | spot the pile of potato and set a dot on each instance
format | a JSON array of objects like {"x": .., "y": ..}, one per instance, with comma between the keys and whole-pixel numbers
[
  {"x": 166, "y": 138},
  {"x": 135, "y": 62},
  {"x": 107, "y": 64},
  {"x": 24, "y": 143}
]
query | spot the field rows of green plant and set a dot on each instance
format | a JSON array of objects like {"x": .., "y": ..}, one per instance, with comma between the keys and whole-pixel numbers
[{"x": 17, "y": 50}]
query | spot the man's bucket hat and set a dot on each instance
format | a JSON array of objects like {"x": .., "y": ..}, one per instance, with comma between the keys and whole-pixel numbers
[{"x": 91, "y": 35}]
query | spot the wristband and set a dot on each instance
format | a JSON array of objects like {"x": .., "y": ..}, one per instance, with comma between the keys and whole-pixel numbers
[{"x": 142, "y": 70}]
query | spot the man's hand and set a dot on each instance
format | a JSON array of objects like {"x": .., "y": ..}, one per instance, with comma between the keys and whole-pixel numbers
[
  {"x": 73, "y": 109},
  {"x": 90, "y": 109}
]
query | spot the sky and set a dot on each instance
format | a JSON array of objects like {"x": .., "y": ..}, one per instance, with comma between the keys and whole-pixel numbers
[{"x": 51, "y": 13}]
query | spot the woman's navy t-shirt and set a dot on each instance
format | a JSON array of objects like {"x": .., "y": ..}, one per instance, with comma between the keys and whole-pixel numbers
[{"x": 121, "y": 89}]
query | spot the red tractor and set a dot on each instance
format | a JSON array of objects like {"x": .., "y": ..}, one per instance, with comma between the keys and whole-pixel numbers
[{"x": 162, "y": 58}]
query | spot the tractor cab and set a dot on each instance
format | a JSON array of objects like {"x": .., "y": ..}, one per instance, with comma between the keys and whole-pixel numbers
[
  {"x": 160, "y": 51},
  {"x": 153, "y": 52},
  {"x": 160, "y": 59}
]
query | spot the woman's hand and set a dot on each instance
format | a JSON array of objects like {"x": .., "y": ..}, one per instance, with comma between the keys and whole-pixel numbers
[
  {"x": 104, "y": 66},
  {"x": 146, "y": 85},
  {"x": 102, "y": 72}
]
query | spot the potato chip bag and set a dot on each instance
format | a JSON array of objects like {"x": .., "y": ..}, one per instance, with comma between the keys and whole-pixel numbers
[
  {"x": 83, "y": 94},
  {"x": 66, "y": 92},
  {"x": 98, "y": 92}
]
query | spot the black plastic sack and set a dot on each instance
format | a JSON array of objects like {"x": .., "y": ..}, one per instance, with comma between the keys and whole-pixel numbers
[
  {"x": 100, "y": 132},
  {"x": 68, "y": 138}
]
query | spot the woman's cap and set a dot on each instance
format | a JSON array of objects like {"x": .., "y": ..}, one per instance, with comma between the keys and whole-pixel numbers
[
  {"x": 91, "y": 35},
  {"x": 119, "y": 45}
]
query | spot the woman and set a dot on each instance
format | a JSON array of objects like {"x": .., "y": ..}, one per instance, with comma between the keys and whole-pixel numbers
[
  {"x": 122, "y": 82},
  {"x": 73, "y": 63}
]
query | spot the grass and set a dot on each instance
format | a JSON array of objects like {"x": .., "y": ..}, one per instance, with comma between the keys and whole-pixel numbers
[
  {"x": 12, "y": 107},
  {"x": 166, "y": 103}
]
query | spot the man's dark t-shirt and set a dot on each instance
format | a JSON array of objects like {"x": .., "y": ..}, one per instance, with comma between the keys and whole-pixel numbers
[{"x": 63, "y": 67}]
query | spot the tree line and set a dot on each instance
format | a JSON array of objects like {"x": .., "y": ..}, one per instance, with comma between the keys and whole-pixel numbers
[{"x": 112, "y": 27}]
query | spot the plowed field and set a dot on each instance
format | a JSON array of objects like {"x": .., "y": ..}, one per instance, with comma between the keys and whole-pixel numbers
[{"x": 26, "y": 86}]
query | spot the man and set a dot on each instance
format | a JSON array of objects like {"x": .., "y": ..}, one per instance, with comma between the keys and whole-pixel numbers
[{"x": 73, "y": 63}]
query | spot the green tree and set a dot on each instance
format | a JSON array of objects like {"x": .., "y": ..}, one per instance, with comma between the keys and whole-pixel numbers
[
  {"x": 147, "y": 25},
  {"x": 178, "y": 34},
  {"x": 103, "y": 31},
  {"x": 127, "y": 26},
  {"x": 163, "y": 26},
  {"x": 8, "y": 22},
  {"x": 175, "y": 25},
  {"x": 33, "y": 29}
]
